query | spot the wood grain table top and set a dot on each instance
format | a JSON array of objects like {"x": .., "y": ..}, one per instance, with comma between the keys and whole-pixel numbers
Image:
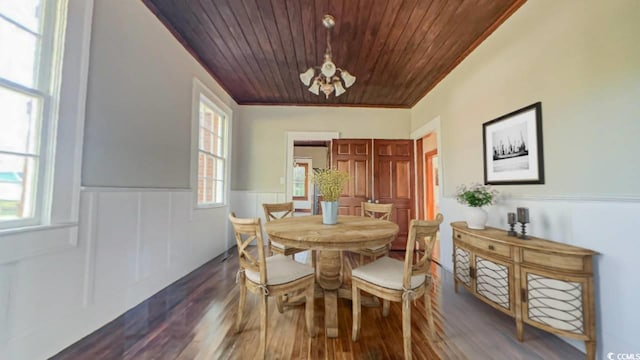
[{"x": 351, "y": 232}]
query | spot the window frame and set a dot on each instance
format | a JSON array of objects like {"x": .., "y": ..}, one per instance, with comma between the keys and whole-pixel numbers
[
  {"x": 202, "y": 93},
  {"x": 47, "y": 88},
  {"x": 58, "y": 229}
]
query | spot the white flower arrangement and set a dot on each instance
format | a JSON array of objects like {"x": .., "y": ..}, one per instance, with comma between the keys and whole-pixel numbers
[{"x": 476, "y": 195}]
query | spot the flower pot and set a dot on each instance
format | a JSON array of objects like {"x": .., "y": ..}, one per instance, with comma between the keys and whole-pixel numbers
[
  {"x": 329, "y": 212},
  {"x": 476, "y": 218}
]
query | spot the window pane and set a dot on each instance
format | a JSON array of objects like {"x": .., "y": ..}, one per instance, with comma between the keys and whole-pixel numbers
[
  {"x": 206, "y": 116},
  {"x": 208, "y": 184},
  {"x": 218, "y": 146},
  {"x": 298, "y": 189},
  {"x": 216, "y": 124},
  {"x": 20, "y": 129},
  {"x": 18, "y": 50},
  {"x": 299, "y": 173},
  {"x": 210, "y": 173},
  {"x": 219, "y": 192},
  {"x": 25, "y": 12},
  {"x": 205, "y": 139},
  {"x": 220, "y": 126},
  {"x": 212, "y": 141},
  {"x": 201, "y": 169},
  {"x": 17, "y": 186},
  {"x": 219, "y": 169}
]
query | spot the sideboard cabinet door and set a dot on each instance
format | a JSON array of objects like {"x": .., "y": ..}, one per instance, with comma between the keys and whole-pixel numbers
[
  {"x": 493, "y": 279},
  {"x": 555, "y": 302},
  {"x": 462, "y": 266}
]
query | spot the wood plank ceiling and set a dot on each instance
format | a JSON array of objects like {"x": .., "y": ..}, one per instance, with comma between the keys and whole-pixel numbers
[{"x": 398, "y": 49}]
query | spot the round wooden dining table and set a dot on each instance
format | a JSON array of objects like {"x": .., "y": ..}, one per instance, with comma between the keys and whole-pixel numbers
[{"x": 350, "y": 233}]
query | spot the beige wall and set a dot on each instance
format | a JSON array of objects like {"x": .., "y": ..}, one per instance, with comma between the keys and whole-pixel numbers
[
  {"x": 138, "y": 123},
  {"x": 319, "y": 155},
  {"x": 260, "y": 136},
  {"x": 583, "y": 62}
]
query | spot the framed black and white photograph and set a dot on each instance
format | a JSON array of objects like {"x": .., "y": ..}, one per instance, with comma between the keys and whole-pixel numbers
[{"x": 513, "y": 147}]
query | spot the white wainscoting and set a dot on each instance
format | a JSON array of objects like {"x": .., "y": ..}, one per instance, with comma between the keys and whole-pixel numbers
[
  {"x": 131, "y": 243},
  {"x": 606, "y": 225},
  {"x": 248, "y": 204}
]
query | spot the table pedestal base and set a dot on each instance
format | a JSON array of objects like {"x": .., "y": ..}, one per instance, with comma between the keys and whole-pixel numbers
[
  {"x": 330, "y": 264},
  {"x": 330, "y": 280}
]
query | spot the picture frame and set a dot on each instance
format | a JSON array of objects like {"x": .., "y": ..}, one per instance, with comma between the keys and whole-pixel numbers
[{"x": 512, "y": 147}]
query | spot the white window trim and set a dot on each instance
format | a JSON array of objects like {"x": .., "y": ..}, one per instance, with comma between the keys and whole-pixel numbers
[
  {"x": 218, "y": 105},
  {"x": 65, "y": 156},
  {"x": 52, "y": 42}
]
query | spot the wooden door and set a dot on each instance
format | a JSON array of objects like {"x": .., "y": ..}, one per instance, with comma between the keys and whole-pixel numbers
[
  {"x": 353, "y": 156},
  {"x": 394, "y": 172}
]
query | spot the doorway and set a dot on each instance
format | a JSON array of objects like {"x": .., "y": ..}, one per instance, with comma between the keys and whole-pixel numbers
[
  {"x": 300, "y": 137},
  {"x": 308, "y": 156},
  {"x": 429, "y": 174}
]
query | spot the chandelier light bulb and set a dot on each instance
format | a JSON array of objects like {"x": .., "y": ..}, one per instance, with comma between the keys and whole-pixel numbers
[{"x": 306, "y": 76}]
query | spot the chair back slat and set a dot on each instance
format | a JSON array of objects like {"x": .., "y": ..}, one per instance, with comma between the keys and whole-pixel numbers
[
  {"x": 247, "y": 232},
  {"x": 277, "y": 211},
  {"x": 422, "y": 236},
  {"x": 377, "y": 211}
]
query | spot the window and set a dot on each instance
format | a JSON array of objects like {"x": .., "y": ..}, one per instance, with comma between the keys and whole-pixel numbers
[
  {"x": 300, "y": 181},
  {"x": 212, "y": 124},
  {"x": 30, "y": 49}
]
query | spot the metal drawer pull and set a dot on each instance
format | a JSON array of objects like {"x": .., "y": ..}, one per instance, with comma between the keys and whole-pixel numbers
[
  {"x": 491, "y": 247},
  {"x": 458, "y": 236}
]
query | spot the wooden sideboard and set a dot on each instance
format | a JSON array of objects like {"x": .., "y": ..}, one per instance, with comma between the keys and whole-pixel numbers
[{"x": 540, "y": 282}]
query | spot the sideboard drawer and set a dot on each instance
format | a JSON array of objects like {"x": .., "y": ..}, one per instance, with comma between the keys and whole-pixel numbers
[
  {"x": 487, "y": 245},
  {"x": 561, "y": 261}
]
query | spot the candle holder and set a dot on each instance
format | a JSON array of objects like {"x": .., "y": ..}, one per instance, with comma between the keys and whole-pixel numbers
[
  {"x": 523, "y": 235},
  {"x": 523, "y": 218},
  {"x": 511, "y": 219}
]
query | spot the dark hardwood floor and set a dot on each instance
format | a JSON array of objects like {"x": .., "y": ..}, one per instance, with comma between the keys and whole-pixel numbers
[{"x": 194, "y": 319}]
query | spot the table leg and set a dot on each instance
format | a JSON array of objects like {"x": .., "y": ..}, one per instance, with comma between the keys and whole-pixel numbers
[{"x": 331, "y": 313}]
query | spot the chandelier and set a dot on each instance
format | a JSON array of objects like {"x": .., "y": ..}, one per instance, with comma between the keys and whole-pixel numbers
[{"x": 327, "y": 79}]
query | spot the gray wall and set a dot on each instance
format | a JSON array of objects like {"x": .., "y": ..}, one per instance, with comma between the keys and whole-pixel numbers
[{"x": 138, "y": 123}]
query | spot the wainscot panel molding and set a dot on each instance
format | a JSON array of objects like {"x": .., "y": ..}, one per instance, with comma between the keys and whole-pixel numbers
[
  {"x": 248, "y": 204},
  {"x": 130, "y": 243},
  {"x": 603, "y": 224}
]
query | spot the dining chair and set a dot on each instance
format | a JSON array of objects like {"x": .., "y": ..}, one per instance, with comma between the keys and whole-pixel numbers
[
  {"x": 268, "y": 276},
  {"x": 378, "y": 211},
  {"x": 275, "y": 212},
  {"x": 400, "y": 281}
]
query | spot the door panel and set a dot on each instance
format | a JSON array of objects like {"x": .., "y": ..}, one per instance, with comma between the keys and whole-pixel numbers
[
  {"x": 353, "y": 156},
  {"x": 383, "y": 180},
  {"x": 403, "y": 180},
  {"x": 394, "y": 182},
  {"x": 362, "y": 178}
]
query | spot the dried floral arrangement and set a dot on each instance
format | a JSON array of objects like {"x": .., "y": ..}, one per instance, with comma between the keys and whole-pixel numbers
[{"x": 331, "y": 183}]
